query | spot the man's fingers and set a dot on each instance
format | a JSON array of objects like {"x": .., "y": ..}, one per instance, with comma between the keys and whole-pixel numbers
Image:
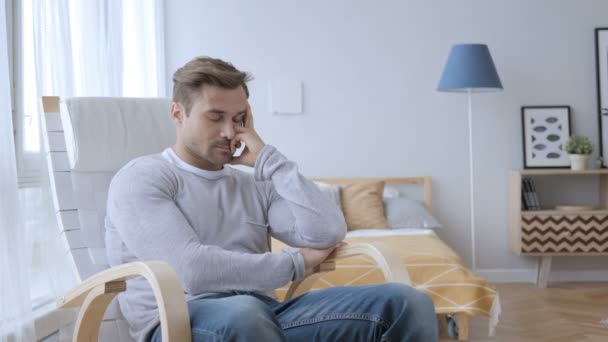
[
  {"x": 239, "y": 129},
  {"x": 236, "y": 142},
  {"x": 248, "y": 117}
]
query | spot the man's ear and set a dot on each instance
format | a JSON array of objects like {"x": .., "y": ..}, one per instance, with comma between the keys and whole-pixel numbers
[{"x": 177, "y": 112}]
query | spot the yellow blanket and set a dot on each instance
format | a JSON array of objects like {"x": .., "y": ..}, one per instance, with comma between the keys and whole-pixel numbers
[{"x": 433, "y": 267}]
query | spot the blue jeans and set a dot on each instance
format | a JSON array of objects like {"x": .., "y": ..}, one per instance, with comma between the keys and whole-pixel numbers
[{"x": 383, "y": 312}]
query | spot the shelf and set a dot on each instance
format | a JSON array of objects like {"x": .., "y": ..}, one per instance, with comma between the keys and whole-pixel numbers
[
  {"x": 563, "y": 212},
  {"x": 549, "y": 232},
  {"x": 560, "y": 172},
  {"x": 564, "y": 254}
]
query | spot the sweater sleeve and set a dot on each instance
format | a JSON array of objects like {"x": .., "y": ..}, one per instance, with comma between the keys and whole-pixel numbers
[
  {"x": 299, "y": 213},
  {"x": 149, "y": 223}
]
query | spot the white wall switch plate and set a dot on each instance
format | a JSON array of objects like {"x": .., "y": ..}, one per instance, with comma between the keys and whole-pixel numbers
[{"x": 285, "y": 97}]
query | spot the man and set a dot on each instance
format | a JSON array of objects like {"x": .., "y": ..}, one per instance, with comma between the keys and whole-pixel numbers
[{"x": 212, "y": 223}]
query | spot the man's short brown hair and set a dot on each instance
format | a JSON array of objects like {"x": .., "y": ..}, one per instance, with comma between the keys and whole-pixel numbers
[{"x": 202, "y": 71}]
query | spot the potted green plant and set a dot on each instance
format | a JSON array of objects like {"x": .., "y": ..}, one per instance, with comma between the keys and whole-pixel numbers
[{"x": 579, "y": 148}]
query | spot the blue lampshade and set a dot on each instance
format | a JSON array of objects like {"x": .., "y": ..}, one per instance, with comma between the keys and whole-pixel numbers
[{"x": 470, "y": 66}]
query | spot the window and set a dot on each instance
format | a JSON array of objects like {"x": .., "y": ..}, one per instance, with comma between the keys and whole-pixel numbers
[
  {"x": 31, "y": 127},
  {"x": 27, "y": 137},
  {"x": 102, "y": 48},
  {"x": 32, "y": 199},
  {"x": 35, "y": 210},
  {"x": 122, "y": 38}
]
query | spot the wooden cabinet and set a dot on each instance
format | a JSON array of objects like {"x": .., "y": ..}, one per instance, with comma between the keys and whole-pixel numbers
[{"x": 548, "y": 232}]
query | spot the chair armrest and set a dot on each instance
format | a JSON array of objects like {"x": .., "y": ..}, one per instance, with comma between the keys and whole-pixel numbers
[
  {"x": 387, "y": 260},
  {"x": 96, "y": 292}
]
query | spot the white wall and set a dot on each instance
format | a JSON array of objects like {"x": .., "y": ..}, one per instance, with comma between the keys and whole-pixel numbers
[{"x": 370, "y": 70}]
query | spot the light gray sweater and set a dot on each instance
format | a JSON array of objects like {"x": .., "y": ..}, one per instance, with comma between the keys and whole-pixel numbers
[{"x": 213, "y": 227}]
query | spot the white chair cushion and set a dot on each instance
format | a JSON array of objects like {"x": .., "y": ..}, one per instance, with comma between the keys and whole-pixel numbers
[{"x": 123, "y": 126}]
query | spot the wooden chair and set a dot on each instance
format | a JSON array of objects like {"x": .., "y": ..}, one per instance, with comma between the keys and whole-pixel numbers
[{"x": 86, "y": 141}]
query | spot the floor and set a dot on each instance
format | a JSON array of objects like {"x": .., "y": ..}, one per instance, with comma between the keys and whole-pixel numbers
[{"x": 563, "y": 312}]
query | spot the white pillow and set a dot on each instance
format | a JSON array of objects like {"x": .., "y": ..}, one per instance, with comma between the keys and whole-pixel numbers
[
  {"x": 403, "y": 212},
  {"x": 332, "y": 191},
  {"x": 390, "y": 192}
]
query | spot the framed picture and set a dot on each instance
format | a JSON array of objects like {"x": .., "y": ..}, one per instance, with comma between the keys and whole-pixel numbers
[
  {"x": 545, "y": 132},
  {"x": 601, "y": 62}
]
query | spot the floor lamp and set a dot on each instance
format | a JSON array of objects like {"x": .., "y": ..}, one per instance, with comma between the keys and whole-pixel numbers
[{"x": 470, "y": 69}]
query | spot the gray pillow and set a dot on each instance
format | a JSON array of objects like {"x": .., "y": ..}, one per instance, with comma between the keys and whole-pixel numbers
[{"x": 403, "y": 212}]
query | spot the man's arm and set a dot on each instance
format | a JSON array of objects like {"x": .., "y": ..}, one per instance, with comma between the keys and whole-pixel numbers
[
  {"x": 141, "y": 207},
  {"x": 299, "y": 213}
]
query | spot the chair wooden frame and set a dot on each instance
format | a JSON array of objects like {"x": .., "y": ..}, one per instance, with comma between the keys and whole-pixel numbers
[{"x": 95, "y": 293}]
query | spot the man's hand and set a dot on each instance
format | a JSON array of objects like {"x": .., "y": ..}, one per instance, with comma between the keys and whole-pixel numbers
[
  {"x": 314, "y": 257},
  {"x": 251, "y": 139}
]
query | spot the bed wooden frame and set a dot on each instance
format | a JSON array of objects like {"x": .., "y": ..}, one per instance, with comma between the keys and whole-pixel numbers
[{"x": 425, "y": 181}]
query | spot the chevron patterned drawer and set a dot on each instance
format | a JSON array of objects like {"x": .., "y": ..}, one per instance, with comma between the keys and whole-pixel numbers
[{"x": 565, "y": 233}]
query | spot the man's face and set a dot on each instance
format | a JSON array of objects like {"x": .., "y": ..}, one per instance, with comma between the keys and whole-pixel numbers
[{"x": 204, "y": 134}]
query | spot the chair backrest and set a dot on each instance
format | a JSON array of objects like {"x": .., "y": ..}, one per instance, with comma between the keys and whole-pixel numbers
[{"x": 86, "y": 141}]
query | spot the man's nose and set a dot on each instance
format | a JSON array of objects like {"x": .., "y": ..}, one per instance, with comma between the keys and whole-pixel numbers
[{"x": 228, "y": 130}]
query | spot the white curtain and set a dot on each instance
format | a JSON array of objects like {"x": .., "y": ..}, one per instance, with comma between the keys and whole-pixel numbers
[
  {"x": 15, "y": 305},
  {"x": 99, "y": 47},
  {"x": 81, "y": 48}
]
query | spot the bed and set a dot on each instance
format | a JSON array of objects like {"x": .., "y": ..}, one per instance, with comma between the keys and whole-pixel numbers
[{"x": 433, "y": 267}]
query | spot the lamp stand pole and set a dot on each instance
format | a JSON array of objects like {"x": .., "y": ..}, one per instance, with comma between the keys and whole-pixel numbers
[{"x": 472, "y": 199}]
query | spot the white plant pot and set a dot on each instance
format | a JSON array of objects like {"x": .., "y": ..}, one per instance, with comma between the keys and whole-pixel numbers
[{"x": 578, "y": 161}]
